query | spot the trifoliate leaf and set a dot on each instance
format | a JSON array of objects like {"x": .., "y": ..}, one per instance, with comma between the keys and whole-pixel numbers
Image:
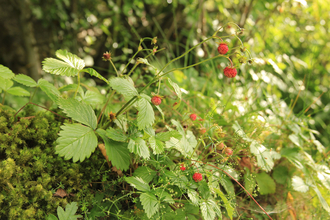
[
  {"x": 139, "y": 147},
  {"x": 69, "y": 213},
  {"x": 76, "y": 141},
  {"x": 146, "y": 173},
  {"x": 149, "y": 203},
  {"x": 93, "y": 72},
  {"x": 70, "y": 66},
  {"x": 18, "y": 91},
  {"x": 116, "y": 134},
  {"x": 116, "y": 151},
  {"x": 265, "y": 183},
  {"x": 299, "y": 185},
  {"x": 138, "y": 183},
  {"x": 25, "y": 80},
  {"x": 50, "y": 90},
  {"x": 78, "y": 111},
  {"x": 124, "y": 87},
  {"x": 146, "y": 116},
  {"x": 5, "y": 72}
]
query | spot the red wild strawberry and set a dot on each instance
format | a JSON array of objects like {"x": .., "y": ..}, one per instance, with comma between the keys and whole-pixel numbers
[
  {"x": 230, "y": 72},
  {"x": 193, "y": 117},
  {"x": 182, "y": 167},
  {"x": 197, "y": 177},
  {"x": 223, "y": 48},
  {"x": 228, "y": 151},
  {"x": 156, "y": 100}
]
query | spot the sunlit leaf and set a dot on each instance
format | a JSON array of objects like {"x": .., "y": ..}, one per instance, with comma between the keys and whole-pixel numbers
[
  {"x": 124, "y": 87},
  {"x": 6, "y": 73},
  {"x": 139, "y": 147},
  {"x": 146, "y": 116},
  {"x": 299, "y": 185},
  {"x": 93, "y": 72},
  {"x": 18, "y": 91},
  {"x": 70, "y": 66}
]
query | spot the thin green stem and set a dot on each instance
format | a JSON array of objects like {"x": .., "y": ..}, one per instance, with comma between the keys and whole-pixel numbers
[
  {"x": 113, "y": 65},
  {"x": 3, "y": 99},
  {"x": 31, "y": 97},
  {"x": 98, "y": 119},
  {"x": 75, "y": 93}
]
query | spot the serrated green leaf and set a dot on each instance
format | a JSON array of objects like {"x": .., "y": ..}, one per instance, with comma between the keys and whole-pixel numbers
[
  {"x": 124, "y": 87},
  {"x": 193, "y": 196},
  {"x": 71, "y": 66},
  {"x": 265, "y": 183},
  {"x": 299, "y": 185},
  {"x": 5, "y": 72},
  {"x": 69, "y": 213},
  {"x": 323, "y": 173},
  {"x": 116, "y": 151},
  {"x": 265, "y": 157},
  {"x": 138, "y": 183},
  {"x": 207, "y": 210},
  {"x": 228, "y": 186},
  {"x": 146, "y": 116},
  {"x": 5, "y": 84},
  {"x": 149, "y": 203},
  {"x": 139, "y": 147},
  {"x": 25, "y": 80},
  {"x": 78, "y": 111},
  {"x": 76, "y": 141},
  {"x": 93, "y": 72},
  {"x": 18, "y": 91},
  {"x": 116, "y": 134},
  {"x": 146, "y": 173},
  {"x": 229, "y": 208},
  {"x": 156, "y": 145},
  {"x": 48, "y": 88}
]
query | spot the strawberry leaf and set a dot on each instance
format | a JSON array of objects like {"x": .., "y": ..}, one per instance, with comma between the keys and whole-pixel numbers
[
  {"x": 149, "y": 203},
  {"x": 76, "y": 141},
  {"x": 78, "y": 111},
  {"x": 69, "y": 65},
  {"x": 124, "y": 87},
  {"x": 138, "y": 183},
  {"x": 25, "y": 80},
  {"x": 50, "y": 90},
  {"x": 146, "y": 116},
  {"x": 69, "y": 213}
]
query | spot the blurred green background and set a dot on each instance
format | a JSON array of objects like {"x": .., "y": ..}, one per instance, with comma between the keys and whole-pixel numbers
[{"x": 289, "y": 40}]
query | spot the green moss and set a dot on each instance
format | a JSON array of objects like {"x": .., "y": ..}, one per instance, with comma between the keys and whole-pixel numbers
[{"x": 30, "y": 171}]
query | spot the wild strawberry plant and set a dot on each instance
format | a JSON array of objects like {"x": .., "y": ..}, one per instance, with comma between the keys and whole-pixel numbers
[{"x": 173, "y": 171}]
